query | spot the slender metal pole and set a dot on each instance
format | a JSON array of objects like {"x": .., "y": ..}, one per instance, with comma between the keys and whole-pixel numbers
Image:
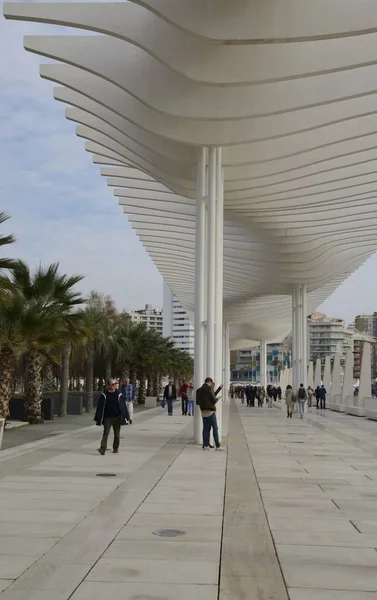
[
  {"x": 200, "y": 235},
  {"x": 211, "y": 264}
]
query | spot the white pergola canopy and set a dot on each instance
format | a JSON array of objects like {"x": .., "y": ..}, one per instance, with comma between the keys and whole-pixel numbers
[{"x": 288, "y": 89}]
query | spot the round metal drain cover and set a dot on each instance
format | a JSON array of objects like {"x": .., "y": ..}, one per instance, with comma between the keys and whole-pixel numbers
[
  {"x": 169, "y": 532},
  {"x": 106, "y": 475}
]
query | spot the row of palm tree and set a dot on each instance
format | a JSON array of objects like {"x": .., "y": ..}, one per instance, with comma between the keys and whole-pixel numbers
[{"x": 50, "y": 334}]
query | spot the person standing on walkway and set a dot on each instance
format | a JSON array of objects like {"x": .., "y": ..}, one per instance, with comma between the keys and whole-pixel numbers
[
  {"x": 290, "y": 400},
  {"x": 206, "y": 399},
  {"x": 322, "y": 396},
  {"x": 129, "y": 394},
  {"x": 301, "y": 398},
  {"x": 190, "y": 400},
  {"x": 111, "y": 413},
  {"x": 310, "y": 393},
  {"x": 170, "y": 395},
  {"x": 183, "y": 394}
]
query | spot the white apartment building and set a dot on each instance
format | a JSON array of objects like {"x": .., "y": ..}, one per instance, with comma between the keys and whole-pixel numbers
[
  {"x": 328, "y": 336},
  {"x": 151, "y": 316},
  {"x": 177, "y": 324}
]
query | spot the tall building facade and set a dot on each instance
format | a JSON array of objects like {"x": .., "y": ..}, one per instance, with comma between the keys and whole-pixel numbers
[
  {"x": 176, "y": 323},
  {"x": 151, "y": 316},
  {"x": 367, "y": 324},
  {"x": 245, "y": 364},
  {"x": 328, "y": 336}
]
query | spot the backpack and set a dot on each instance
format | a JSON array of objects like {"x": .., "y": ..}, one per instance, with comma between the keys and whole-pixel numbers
[{"x": 301, "y": 394}]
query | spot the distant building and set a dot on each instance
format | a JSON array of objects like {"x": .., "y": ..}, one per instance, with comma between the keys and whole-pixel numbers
[
  {"x": 151, "y": 316},
  {"x": 367, "y": 324},
  {"x": 359, "y": 340},
  {"x": 245, "y": 364},
  {"x": 327, "y": 336},
  {"x": 177, "y": 324}
]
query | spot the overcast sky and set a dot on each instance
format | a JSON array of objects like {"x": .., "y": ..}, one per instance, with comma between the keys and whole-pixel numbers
[{"x": 60, "y": 206}]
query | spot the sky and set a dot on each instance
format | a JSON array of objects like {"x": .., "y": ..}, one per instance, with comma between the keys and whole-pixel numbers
[{"x": 61, "y": 209}]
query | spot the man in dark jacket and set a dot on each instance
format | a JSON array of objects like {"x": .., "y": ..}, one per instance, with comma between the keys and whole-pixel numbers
[
  {"x": 206, "y": 399},
  {"x": 111, "y": 413},
  {"x": 322, "y": 396},
  {"x": 170, "y": 394}
]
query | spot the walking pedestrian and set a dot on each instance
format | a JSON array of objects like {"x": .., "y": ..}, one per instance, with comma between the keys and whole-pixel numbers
[
  {"x": 183, "y": 394},
  {"x": 261, "y": 397},
  {"x": 301, "y": 397},
  {"x": 111, "y": 413},
  {"x": 129, "y": 395},
  {"x": 270, "y": 395},
  {"x": 290, "y": 400},
  {"x": 170, "y": 395},
  {"x": 190, "y": 400},
  {"x": 322, "y": 397},
  {"x": 206, "y": 399},
  {"x": 317, "y": 395}
]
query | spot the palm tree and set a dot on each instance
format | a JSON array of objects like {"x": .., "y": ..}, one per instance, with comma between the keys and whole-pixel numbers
[
  {"x": 93, "y": 319},
  {"x": 49, "y": 300},
  {"x": 13, "y": 318}
]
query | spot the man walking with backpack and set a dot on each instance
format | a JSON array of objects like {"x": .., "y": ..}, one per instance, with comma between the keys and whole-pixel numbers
[{"x": 302, "y": 397}]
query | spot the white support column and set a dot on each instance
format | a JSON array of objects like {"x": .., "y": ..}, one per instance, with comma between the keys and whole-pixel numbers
[
  {"x": 200, "y": 260},
  {"x": 304, "y": 375},
  {"x": 211, "y": 263},
  {"x": 294, "y": 339},
  {"x": 327, "y": 375},
  {"x": 263, "y": 363},
  {"x": 219, "y": 281},
  {"x": 311, "y": 375},
  {"x": 226, "y": 361},
  {"x": 299, "y": 370}
]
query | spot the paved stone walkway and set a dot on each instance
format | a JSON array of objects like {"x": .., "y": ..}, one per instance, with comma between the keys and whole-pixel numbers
[{"x": 288, "y": 512}]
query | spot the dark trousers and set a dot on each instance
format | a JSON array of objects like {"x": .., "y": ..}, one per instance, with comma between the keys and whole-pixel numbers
[
  {"x": 184, "y": 405},
  {"x": 208, "y": 423},
  {"x": 323, "y": 403},
  {"x": 170, "y": 406},
  {"x": 108, "y": 423}
]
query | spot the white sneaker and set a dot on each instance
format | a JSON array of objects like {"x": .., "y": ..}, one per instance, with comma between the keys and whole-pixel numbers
[{"x": 219, "y": 448}]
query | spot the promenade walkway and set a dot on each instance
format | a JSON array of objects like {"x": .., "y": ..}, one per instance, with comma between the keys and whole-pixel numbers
[{"x": 288, "y": 511}]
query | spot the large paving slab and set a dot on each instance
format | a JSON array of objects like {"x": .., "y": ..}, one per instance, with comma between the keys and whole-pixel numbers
[
  {"x": 286, "y": 511},
  {"x": 317, "y": 479}
]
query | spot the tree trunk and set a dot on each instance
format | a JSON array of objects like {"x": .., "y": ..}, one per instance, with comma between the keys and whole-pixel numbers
[
  {"x": 154, "y": 384},
  {"x": 89, "y": 376},
  {"x": 141, "y": 391},
  {"x": 7, "y": 367},
  {"x": 133, "y": 375},
  {"x": 108, "y": 369},
  {"x": 33, "y": 397},
  {"x": 48, "y": 377},
  {"x": 66, "y": 355}
]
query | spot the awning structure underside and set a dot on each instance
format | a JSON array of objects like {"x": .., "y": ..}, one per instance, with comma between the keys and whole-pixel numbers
[{"x": 288, "y": 89}]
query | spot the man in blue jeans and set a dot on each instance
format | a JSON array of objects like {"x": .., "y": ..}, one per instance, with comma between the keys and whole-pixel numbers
[
  {"x": 170, "y": 395},
  {"x": 206, "y": 399}
]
